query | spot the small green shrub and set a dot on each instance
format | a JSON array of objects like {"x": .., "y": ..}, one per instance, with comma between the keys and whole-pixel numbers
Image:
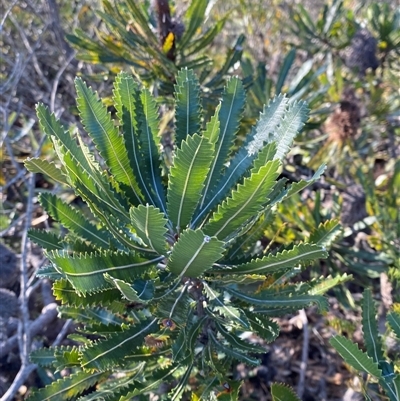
[
  {"x": 156, "y": 43},
  {"x": 164, "y": 274}
]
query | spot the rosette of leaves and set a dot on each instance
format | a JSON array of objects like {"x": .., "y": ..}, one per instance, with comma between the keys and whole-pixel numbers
[{"x": 162, "y": 274}]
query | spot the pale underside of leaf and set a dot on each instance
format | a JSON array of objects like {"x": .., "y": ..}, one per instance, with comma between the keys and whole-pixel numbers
[{"x": 36, "y": 165}]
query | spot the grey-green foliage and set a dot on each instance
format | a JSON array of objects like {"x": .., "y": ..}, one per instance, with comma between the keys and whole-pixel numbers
[
  {"x": 373, "y": 361},
  {"x": 162, "y": 273}
]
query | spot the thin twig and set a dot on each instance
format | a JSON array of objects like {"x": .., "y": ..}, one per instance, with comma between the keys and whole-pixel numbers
[
  {"x": 57, "y": 81},
  {"x": 48, "y": 315},
  {"x": 24, "y": 332},
  {"x": 57, "y": 28},
  {"x": 304, "y": 353},
  {"x": 3, "y": 20},
  {"x": 32, "y": 50},
  {"x": 11, "y": 154},
  {"x": 12, "y": 225},
  {"x": 62, "y": 333},
  {"x": 19, "y": 380}
]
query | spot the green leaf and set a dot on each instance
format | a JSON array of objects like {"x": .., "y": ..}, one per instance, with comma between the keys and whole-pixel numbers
[
  {"x": 194, "y": 15},
  {"x": 139, "y": 16},
  {"x": 267, "y": 329},
  {"x": 282, "y": 392},
  {"x": 95, "y": 187},
  {"x": 177, "y": 393},
  {"x": 105, "y": 354},
  {"x": 97, "y": 122},
  {"x": 184, "y": 345},
  {"x": 43, "y": 357},
  {"x": 128, "y": 290},
  {"x": 324, "y": 284},
  {"x": 187, "y": 105},
  {"x": 393, "y": 319},
  {"x": 67, "y": 388},
  {"x": 194, "y": 253},
  {"x": 65, "y": 292},
  {"x": 74, "y": 220},
  {"x": 161, "y": 376},
  {"x": 393, "y": 388},
  {"x": 66, "y": 357},
  {"x": 260, "y": 137},
  {"x": 127, "y": 240},
  {"x": 280, "y": 261},
  {"x": 89, "y": 315},
  {"x": 326, "y": 233},
  {"x": 126, "y": 96},
  {"x": 356, "y": 358},
  {"x": 174, "y": 308},
  {"x": 370, "y": 328},
  {"x": 192, "y": 335},
  {"x": 36, "y": 165},
  {"x": 198, "y": 45},
  {"x": 220, "y": 305},
  {"x": 45, "y": 239},
  {"x": 244, "y": 203},
  {"x": 284, "y": 71},
  {"x": 86, "y": 271},
  {"x": 277, "y": 301},
  {"x": 53, "y": 129},
  {"x": 236, "y": 342},
  {"x": 115, "y": 389},
  {"x": 50, "y": 272},
  {"x": 147, "y": 117},
  {"x": 230, "y": 113},
  {"x": 232, "y": 353},
  {"x": 212, "y": 129},
  {"x": 296, "y": 187},
  {"x": 150, "y": 225},
  {"x": 191, "y": 164},
  {"x": 83, "y": 171},
  {"x": 179, "y": 350}
]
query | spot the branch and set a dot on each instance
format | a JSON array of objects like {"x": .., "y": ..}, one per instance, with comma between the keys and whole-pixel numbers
[
  {"x": 48, "y": 315},
  {"x": 304, "y": 353}
]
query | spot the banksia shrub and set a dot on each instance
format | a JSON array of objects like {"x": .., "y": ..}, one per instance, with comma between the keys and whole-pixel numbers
[{"x": 164, "y": 274}]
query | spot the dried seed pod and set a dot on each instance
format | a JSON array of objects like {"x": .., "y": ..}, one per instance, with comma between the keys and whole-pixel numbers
[
  {"x": 345, "y": 121},
  {"x": 361, "y": 54}
]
